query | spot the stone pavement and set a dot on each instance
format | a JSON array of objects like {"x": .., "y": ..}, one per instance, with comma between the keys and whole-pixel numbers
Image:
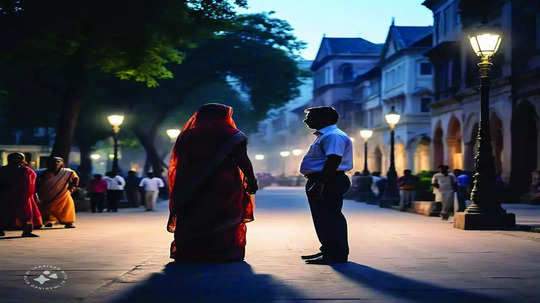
[{"x": 395, "y": 257}]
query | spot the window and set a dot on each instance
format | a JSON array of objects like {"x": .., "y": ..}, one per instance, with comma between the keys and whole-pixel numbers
[
  {"x": 425, "y": 68},
  {"x": 400, "y": 73},
  {"x": 424, "y": 104},
  {"x": 328, "y": 77},
  {"x": 346, "y": 72}
]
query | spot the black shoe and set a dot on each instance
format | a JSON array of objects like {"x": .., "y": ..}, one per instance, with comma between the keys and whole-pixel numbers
[
  {"x": 2, "y": 233},
  {"x": 30, "y": 235},
  {"x": 445, "y": 217},
  {"x": 307, "y": 257},
  {"x": 322, "y": 260},
  {"x": 69, "y": 226},
  {"x": 48, "y": 225}
]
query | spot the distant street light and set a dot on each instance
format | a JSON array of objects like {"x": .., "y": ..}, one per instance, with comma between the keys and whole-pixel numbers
[
  {"x": 173, "y": 134},
  {"x": 297, "y": 152},
  {"x": 485, "y": 211},
  {"x": 259, "y": 157},
  {"x": 115, "y": 121},
  {"x": 95, "y": 156},
  {"x": 366, "y": 134},
  {"x": 352, "y": 139},
  {"x": 391, "y": 192},
  {"x": 285, "y": 153}
]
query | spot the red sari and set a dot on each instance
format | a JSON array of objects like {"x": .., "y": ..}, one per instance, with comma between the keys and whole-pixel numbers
[
  {"x": 17, "y": 197},
  {"x": 209, "y": 206}
]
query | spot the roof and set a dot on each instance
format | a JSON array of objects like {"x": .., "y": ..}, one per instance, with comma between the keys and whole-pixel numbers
[
  {"x": 408, "y": 35},
  {"x": 338, "y": 46},
  {"x": 345, "y": 47}
]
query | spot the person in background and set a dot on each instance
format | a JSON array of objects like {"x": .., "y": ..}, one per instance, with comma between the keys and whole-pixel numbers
[
  {"x": 151, "y": 185},
  {"x": 377, "y": 186},
  {"x": 407, "y": 185},
  {"x": 54, "y": 188},
  {"x": 18, "y": 208},
  {"x": 463, "y": 182},
  {"x": 353, "y": 192},
  {"x": 132, "y": 188},
  {"x": 444, "y": 184},
  {"x": 115, "y": 188},
  {"x": 97, "y": 189}
]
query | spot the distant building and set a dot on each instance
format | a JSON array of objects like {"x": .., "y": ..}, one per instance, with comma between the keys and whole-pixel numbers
[{"x": 515, "y": 89}]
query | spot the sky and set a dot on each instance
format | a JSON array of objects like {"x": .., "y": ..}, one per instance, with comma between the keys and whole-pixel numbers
[{"x": 368, "y": 19}]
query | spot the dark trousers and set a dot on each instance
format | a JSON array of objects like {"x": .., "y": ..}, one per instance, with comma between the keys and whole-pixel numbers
[
  {"x": 113, "y": 196},
  {"x": 462, "y": 195},
  {"x": 96, "y": 201},
  {"x": 329, "y": 221}
]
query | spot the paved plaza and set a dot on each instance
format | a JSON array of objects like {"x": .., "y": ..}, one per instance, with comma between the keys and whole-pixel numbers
[{"x": 395, "y": 257}]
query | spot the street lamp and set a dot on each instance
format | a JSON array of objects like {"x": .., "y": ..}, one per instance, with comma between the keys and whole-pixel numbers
[
  {"x": 95, "y": 156},
  {"x": 485, "y": 211},
  {"x": 391, "y": 193},
  {"x": 366, "y": 134},
  {"x": 285, "y": 153},
  {"x": 115, "y": 121},
  {"x": 259, "y": 157},
  {"x": 173, "y": 133}
]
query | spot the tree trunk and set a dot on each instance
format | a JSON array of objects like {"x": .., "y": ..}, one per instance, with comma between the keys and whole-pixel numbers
[
  {"x": 71, "y": 107},
  {"x": 147, "y": 141},
  {"x": 86, "y": 163}
]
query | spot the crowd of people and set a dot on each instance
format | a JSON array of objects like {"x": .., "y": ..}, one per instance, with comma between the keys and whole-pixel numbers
[
  {"x": 31, "y": 201},
  {"x": 447, "y": 188},
  {"x": 106, "y": 191}
]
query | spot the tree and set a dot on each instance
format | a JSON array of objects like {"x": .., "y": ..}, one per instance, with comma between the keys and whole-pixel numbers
[
  {"x": 131, "y": 40},
  {"x": 257, "y": 50}
]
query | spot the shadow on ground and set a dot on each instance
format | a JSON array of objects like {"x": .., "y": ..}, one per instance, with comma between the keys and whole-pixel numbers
[
  {"x": 229, "y": 282},
  {"x": 401, "y": 288}
]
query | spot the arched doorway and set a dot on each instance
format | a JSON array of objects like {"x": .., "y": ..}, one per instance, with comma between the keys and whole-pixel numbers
[
  {"x": 400, "y": 159},
  {"x": 524, "y": 147},
  {"x": 421, "y": 155},
  {"x": 438, "y": 152},
  {"x": 453, "y": 140},
  {"x": 377, "y": 160},
  {"x": 497, "y": 141}
]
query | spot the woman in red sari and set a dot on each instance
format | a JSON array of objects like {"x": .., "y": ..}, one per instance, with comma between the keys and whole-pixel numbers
[{"x": 212, "y": 184}]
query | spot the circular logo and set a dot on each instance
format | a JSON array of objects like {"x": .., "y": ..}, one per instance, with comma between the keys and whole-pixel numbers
[{"x": 45, "y": 277}]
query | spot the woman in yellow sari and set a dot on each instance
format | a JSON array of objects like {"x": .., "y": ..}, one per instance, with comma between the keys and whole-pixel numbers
[{"x": 55, "y": 186}]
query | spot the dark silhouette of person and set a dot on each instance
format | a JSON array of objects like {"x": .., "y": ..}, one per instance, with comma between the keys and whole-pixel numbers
[{"x": 324, "y": 165}]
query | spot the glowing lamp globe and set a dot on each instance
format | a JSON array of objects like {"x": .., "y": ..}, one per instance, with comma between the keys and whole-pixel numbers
[
  {"x": 485, "y": 44},
  {"x": 366, "y": 134},
  {"x": 95, "y": 156},
  {"x": 259, "y": 157},
  {"x": 392, "y": 118},
  {"x": 285, "y": 153},
  {"x": 116, "y": 120},
  {"x": 173, "y": 133}
]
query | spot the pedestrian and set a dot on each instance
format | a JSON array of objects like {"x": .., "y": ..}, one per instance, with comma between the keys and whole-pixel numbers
[
  {"x": 324, "y": 165},
  {"x": 115, "y": 189},
  {"x": 97, "y": 189},
  {"x": 54, "y": 188},
  {"x": 18, "y": 207},
  {"x": 132, "y": 188},
  {"x": 444, "y": 184},
  {"x": 463, "y": 182},
  {"x": 407, "y": 185},
  {"x": 212, "y": 183},
  {"x": 151, "y": 186}
]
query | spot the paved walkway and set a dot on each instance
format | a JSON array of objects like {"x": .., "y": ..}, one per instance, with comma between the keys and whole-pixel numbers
[{"x": 395, "y": 257}]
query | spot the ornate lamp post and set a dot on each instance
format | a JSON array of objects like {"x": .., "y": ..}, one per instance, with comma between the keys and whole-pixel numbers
[
  {"x": 391, "y": 193},
  {"x": 115, "y": 121},
  {"x": 366, "y": 134},
  {"x": 173, "y": 133},
  {"x": 484, "y": 211}
]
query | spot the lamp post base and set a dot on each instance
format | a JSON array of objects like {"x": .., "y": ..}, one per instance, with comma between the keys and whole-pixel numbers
[{"x": 468, "y": 221}]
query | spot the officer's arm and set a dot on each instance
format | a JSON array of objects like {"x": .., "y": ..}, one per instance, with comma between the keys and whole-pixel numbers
[{"x": 330, "y": 167}]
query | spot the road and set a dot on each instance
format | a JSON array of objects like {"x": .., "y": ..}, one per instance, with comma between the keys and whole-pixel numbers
[{"x": 395, "y": 257}]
